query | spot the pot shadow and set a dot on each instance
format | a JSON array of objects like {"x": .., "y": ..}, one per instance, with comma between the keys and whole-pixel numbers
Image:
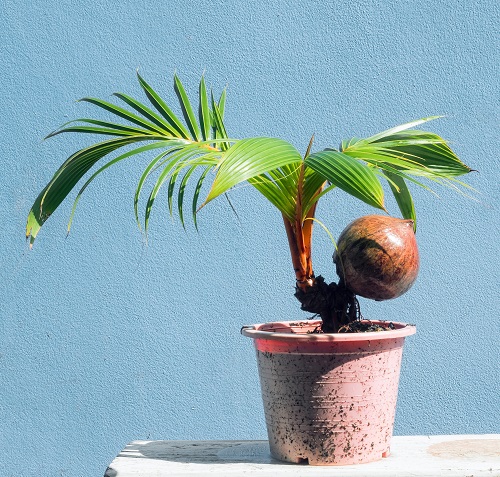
[{"x": 200, "y": 452}]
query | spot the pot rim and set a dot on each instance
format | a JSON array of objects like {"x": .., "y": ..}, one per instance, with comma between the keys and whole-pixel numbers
[{"x": 268, "y": 331}]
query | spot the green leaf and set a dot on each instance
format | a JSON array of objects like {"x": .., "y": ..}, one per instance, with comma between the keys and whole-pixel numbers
[
  {"x": 348, "y": 174},
  {"x": 383, "y": 168},
  {"x": 312, "y": 189},
  {"x": 182, "y": 190},
  {"x": 105, "y": 128},
  {"x": 280, "y": 187},
  {"x": 248, "y": 159},
  {"x": 281, "y": 191},
  {"x": 439, "y": 159},
  {"x": 147, "y": 113},
  {"x": 128, "y": 154},
  {"x": 163, "y": 108},
  {"x": 66, "y": 177},
  {"x": 93, "y": 130},
  {"x": 220, "y": 130},
  {"x": 187, "y": 109},
  {"x": 347, "y": 143},
  {"x": 151, "y": 166},
  {"x": 379, "y": 157},
  {"x": 125, "y": 114},
  {"x": 196, "y": 194},
  {"x": 222, "y": 103},
  {"x": 205, "y": 113},
  {"x": 194, "y": 155},
  {"x": 160, "y": 125},
  {"x": 396, "y": 129},
  {"x": 403, "y": 197},
  {"x": 416, "y": 152},
  {"x": 163, "y": 177},
  {"x": 171, "y": 187}
]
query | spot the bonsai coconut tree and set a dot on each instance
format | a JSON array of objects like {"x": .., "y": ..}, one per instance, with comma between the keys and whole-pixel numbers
[
  {"x": 376, "y": 256},
  {"x": 329, "y": 397}
]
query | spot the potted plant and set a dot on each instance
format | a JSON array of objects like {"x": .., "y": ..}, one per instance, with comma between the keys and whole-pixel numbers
[{"x": 329, "y": 384}]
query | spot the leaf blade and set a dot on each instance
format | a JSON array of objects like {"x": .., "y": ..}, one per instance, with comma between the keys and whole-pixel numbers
[
  {"x": 147, "y": 113},
  {"x": 403, "y": 197},
  {"x": 204, "y": 111},
  {"x": 123, "y": 113},
  {"x": 250, "y": 158},
  {"x": 187, "y": 109},
  {"x": 348, "y": 174}
]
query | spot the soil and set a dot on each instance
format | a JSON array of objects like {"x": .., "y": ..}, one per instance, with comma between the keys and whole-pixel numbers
[{"x": 360, "y": 327}]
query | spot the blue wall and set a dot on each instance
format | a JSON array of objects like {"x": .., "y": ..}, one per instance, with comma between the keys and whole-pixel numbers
[{"x": 104, "y": 340}]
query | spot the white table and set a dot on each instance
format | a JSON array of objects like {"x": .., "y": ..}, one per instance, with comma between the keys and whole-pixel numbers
[{"x": 412, "y": 456}]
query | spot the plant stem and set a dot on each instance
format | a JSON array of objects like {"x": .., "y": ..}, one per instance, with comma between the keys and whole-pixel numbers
[
  {"x": 299, "y": 234},
  {"x": 300, "y": 261},
  {"x": 335, "y": 304}
]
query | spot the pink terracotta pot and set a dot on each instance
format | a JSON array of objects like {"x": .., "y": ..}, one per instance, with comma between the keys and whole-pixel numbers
[{"x": 329, "y": 399}]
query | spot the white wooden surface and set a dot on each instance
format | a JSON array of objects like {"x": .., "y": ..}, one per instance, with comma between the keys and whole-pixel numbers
[{"x": 413, "y": 456}]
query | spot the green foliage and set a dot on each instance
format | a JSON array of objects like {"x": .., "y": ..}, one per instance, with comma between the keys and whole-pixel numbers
[{"x": 191, "y": 147}]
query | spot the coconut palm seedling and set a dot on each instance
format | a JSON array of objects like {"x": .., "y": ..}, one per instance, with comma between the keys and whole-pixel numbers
[{"x": 376, "y": 256}]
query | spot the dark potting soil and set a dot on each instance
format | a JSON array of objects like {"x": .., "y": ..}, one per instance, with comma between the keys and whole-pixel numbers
[
  {"x": 359, "y": 327},
  {"x": 364, "y": 326}
]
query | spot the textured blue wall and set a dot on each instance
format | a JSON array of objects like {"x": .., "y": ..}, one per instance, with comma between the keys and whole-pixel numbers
[{"x": 100, "y": 338}]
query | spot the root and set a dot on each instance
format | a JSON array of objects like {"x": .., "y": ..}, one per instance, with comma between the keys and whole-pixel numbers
[{"x": 334, "y": 303}]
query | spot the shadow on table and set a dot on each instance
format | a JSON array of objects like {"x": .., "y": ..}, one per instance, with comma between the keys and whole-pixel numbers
[
  {"x": 200, "y": 452},
  {"x": 110, "y": 472}
]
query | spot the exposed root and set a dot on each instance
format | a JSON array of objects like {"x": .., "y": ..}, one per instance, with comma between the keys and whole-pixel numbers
[{"x": 334, "y": 303}]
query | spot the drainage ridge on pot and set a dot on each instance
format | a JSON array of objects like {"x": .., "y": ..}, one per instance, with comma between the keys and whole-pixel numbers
[{"x": 329, "y": 399}]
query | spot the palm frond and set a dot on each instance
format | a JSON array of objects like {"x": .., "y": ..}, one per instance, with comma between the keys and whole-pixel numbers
[
  {"x": 162, "y": 107},
  {"x": 114, "y": 161},
  {"x": 196, "y": 194},
  {"x": 348, "y": 174},
  {"x": 125, "y": 114},
  {"x": 403, "y": 197},
  {"x": 66, "y": 178},
  {"x": 103, "y": 128},
  {"x": 280, "y": 188},
  {"x": 187, "y": 109},
  {"x": 156, "y": 162},
  {"x": 147, "y": 113},
  {"x": 162, "y": 128},
  {"x": 416, "y": 152},
  {"x": 193, "y": 156},
  {"x": 250, "y": 158},
  {"x": 221, "y": 104},
  {"x": 218, "y": 120},
  {"x": 188, "y": 149},
  {"x": 396, "y": 130},
  {"x": 401, "y": 154},
  {"x": 313, "y": 189},
  {"x": 204, "y": 111}
]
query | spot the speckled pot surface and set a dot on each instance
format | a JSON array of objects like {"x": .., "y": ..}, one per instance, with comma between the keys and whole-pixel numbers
[{"x": 329, "y": 399}]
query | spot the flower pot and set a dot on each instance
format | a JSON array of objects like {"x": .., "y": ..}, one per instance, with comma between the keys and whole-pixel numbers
[{"x": 329, "y": 399}]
